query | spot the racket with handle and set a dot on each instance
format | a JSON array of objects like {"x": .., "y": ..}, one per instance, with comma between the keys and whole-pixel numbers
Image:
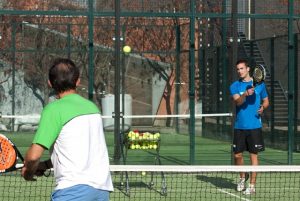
[
  {"x": 258, "y": 75},
  {"x": 10, "y": 155}
]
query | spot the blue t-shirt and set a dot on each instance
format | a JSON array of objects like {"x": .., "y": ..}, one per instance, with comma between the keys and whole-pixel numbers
[{"x": 247, "y": 116}]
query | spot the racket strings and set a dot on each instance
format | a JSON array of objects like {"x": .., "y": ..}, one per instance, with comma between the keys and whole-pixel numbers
[
  {"x": 3, "y": 151},
  {"x": 7, "y": 154},
  {"x": 258, "y": 74}
]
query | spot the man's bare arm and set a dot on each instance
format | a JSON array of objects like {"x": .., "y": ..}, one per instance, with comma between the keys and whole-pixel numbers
[
  {"x": 32, "y": 160},
  {"x": 240, "y": 99},
  {"x": 264, "y": 105}
]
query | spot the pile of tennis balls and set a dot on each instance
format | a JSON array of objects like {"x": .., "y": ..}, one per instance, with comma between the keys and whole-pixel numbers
[{"x": 143, "y": 140}]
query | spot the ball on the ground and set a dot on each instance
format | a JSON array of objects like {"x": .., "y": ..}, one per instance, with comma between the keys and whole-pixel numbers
[
  {"x": 126, "y": 49},
  {"x": 132, "y": 146}
]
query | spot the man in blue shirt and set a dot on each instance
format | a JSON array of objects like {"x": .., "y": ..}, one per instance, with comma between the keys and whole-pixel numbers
[{"x": 250, "y": 103}]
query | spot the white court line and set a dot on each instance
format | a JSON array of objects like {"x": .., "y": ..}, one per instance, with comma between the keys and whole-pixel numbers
[{"x": 223, "y": 191}]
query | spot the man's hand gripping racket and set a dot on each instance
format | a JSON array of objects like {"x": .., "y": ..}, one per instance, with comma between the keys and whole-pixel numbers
[
  {"x": 9, "y": 156},
  {"x": 259, "y": 76}
]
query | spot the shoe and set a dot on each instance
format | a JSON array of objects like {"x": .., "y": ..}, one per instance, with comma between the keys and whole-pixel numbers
[
  {"x": 241, "y": 185},
  {"x": 249, "y": 191}
]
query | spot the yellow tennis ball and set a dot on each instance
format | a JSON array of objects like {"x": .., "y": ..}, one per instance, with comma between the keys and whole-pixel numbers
[
  {"x": 143, "y": 173},
  {"x": 126, "y": 49}
]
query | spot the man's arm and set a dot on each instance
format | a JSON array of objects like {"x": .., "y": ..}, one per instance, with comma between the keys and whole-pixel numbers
[
  {"x": 264, "y": 105},
  {"x": 240, "y": 99},
  {"x": 32, "y": 161}
]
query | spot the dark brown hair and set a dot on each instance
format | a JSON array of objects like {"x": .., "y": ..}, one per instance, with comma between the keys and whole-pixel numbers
[
  {"x": 63, "y": 75},
  {"x": 242, "y": 61}
]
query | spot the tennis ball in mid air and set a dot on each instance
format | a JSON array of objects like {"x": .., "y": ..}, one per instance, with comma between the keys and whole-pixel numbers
[
  {"x": 143, "y": 173},
  {"x": 126, "y": 49}
]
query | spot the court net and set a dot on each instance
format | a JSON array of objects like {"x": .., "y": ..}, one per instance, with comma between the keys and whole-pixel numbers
[{"x": 172, "y": 183}]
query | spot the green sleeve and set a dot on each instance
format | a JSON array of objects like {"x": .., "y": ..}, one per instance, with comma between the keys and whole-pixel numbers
[{"x": 49, "y": 127}]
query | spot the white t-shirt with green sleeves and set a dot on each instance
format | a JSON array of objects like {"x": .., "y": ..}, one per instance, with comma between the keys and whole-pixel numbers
[{"x": 71, "y": 128}]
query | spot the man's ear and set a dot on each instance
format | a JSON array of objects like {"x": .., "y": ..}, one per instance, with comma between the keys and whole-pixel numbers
[
  {"x": 49, "y": 84},
  {"x": 78, "y": 82}
]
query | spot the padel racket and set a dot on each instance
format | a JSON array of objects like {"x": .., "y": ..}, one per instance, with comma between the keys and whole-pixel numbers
[
  {"x": 259, "y": 74},
  {"x": 10, "y": 155}
]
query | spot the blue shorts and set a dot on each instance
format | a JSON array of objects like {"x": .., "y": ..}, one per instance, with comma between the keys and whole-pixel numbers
[{"x": 80, "y": 192}]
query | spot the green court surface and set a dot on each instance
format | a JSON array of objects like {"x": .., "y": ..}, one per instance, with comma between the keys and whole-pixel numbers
[
  {"x": 208, "y": 186},
  {"x": 174, "y": 150},
  {"x": 15, "y": 188},
  {"x": 177, "y": 187}
]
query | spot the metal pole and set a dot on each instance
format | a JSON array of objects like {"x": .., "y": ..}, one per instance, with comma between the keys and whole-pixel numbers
[
  {"x": 202, "y": 60},
  {"x": 117, "y": 151},
  {"x": 91, "y": 50},
  {"x": 296, "y": 92},
  {"x": 218, "y": 87},
  {"x": 234, "y": 31},
  {"x": 13, "y": 94},
  {"x": 272, "y": 61},
  {"x": 233, "y": 58},
  {"x": 192, "y": 83},
  {"x": 177, "y": 72},
  {"x": 224, "y": 62},
  {"x": 124, "y": 59},
  {"x": 252, "y": 21},
  {"x": 291, "y": 84}
]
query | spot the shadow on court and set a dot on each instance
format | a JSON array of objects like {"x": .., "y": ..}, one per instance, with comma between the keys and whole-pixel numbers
[
  {"x": 218, "y": 182},
  {"x": 137, "y": 188}
]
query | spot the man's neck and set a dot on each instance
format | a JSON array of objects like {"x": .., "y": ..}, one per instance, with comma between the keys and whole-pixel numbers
[{"x": 65, "y": 93}]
